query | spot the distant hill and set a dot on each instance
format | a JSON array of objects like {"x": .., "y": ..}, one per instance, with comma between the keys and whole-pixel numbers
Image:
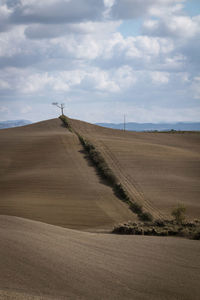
[
  {"x": 13, "y": 123},
  {"x": 151, "y": 126}
]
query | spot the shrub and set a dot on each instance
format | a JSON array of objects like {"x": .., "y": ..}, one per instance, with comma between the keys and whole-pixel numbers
[
  {"x": 135, "y": 207},
  {"x": 168, "y": 228},
  {"x": 179, "y": 213},
  {"x": 121, "y": 229},
  {"x": 98, "y": 161},
  {"x": 196, "y": 235},
  {"x": 146, "y": 216},
  {"x": 65, "y": 120},
  {"x": 159, "y": 223},
  {"x": 120, "y": 192}
]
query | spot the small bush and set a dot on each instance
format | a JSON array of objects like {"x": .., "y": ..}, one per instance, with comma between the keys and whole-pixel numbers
[
  {"x": 159, "y": 223},
  {"x": 168, "y": 229},
  {"x": 196, "y": 235},
  {"x": 120, "y": 192},
  {"x": 121, "y": 229},
  {"x": 135, "y": 207},
  {"x": 179, "y": 213},
  {"x": 146, "y": 216},
  {"x": 98, "y": 161},
  {"x": 65, "y": 120},
  {"x": 163, "y": 233},
  {"x": 173, "y": 232}
]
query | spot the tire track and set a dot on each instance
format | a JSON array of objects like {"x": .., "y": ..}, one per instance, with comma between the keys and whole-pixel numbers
[{"x": 131, "y": 187}]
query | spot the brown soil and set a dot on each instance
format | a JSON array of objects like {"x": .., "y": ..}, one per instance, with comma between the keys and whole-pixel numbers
[
  {"x": 159, "y": 170},
  {"x": 41, "y": 261},
  {"x": 44, "y": 176}
]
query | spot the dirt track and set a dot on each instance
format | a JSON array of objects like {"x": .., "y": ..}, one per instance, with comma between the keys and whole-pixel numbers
[
  {"x": 158, "y": 170},
  {"x": 41, "y": 261},
  {"x": 44, "y": 176}
]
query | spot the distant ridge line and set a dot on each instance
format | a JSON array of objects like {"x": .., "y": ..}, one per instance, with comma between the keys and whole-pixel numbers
[
  {"x": 132, "y": 126},
  {"x": 13, "y": 123}
]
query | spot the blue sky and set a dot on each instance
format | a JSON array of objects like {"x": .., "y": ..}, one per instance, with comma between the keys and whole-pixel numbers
[
  {"x": 131, "y": 27},
  {"x": 102, "y": 58},
  {"x": 192, "y": 7}
]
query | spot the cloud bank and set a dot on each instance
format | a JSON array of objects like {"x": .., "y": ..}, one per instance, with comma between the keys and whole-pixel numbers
[{"x": 75, "y": 51}]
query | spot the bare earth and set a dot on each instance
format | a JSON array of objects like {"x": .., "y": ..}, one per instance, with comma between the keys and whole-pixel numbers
[
  {"x": 48, "y": 189},
  {"x": 159, "y": 170},
  {"x": 44, "y": 176},
  {"x": 41, "y": 261}
]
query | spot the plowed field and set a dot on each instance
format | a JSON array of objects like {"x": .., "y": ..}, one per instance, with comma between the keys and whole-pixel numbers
[
  {"x": 44, "y": 176},
  {"x": 159, "y": 170},
  {"x": 41, "y": 261}
]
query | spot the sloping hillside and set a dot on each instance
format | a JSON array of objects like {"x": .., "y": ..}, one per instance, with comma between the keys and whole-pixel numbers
[
  {"x": 41, "y": 261},
  {"x": 159, "y": 170},
  {"x": 44, "y": 176}
]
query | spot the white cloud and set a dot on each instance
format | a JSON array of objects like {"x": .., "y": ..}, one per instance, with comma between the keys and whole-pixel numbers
[
  {"x": 4, "y": 109},
  {"x": 196, "y": 87},
  {"x": 185, "y": 77},
  {"x": 26, "y": 109},
  {"x": 113, "y": 81},
  {"x": 34, "y": 83},
  {"x": 4, "y": 85},
  {"x": 128, "y": 9},
  {"x": 166, "y": 8},
  {"x": 11, "y": 43},
  {"x": 93, "y": 79},
  {"x": 173, "y": 26},
  {"x": 50, "y": 31},
  {"x": 126, "y": 77},
  {"x": 109, "y": 3},
  {"x": 160, "y": 77},
  {"x": 5, "y": 13},
  {"x": 57, "y": 11},
  {"x": 52, "y": 48}
]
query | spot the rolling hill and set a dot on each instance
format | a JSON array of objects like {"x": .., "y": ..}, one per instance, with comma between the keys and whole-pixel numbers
[
  {"x": 158, "y": 170},
  {"x": 45, "y": 177},
  {"x": 41, "y": 261},
  {"x": 56, "y": 214}
]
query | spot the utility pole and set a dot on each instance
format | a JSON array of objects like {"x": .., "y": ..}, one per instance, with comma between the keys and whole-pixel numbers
[
  {"x": 124, "y": 122},
  {"x": 61, "y": 106}
]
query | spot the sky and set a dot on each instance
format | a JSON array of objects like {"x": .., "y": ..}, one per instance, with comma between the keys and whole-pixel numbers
[{"x": 102, "y": 58}]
